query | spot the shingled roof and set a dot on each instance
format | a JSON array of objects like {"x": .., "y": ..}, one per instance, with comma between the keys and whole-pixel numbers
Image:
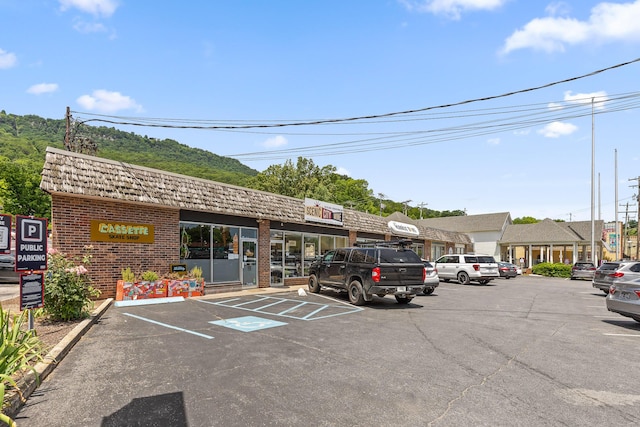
[
  {"x": 551, "y": 232},
  {"x": 469, "y": 223},
  {"x": 94, "y": 177}
]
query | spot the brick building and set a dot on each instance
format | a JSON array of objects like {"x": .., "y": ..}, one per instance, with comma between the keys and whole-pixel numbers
[{"x": 148, "y": 219}]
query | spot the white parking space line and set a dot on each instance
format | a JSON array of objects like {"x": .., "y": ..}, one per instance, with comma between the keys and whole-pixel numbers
[
  {"x": 169, "y": 326},
  {"x": 623, "y": 335}
]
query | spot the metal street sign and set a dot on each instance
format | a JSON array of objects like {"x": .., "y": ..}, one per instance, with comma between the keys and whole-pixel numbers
[
  {"x": 31, "y": 243},
  {"x": 31, "y": 290},
  {"x": 5, "y": 234}
]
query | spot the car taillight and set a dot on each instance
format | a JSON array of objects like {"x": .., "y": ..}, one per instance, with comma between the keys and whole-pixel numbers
[
  {"x": 592, "y": 268},
  {"x": 476, "y": 267},
  {"x": 617, "y": 274},
  {"x": 637, "y": 293},
  {"x": 424, "y": 274},
  {"x": 375, "y": 274},
  {"x": 612, "y": 289}
]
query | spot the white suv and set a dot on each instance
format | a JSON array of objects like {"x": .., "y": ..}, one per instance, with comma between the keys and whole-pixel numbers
[{"x": 467, "y": 267}]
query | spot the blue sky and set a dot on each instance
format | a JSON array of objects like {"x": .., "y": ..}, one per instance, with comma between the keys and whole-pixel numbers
[{"x": 238, "y": 63}]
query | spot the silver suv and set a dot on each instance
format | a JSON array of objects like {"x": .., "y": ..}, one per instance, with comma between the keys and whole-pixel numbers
[{"x": 467, "y": 267}]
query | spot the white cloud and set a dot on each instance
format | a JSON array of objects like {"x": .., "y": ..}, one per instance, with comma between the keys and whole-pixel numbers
[
  {"x": 342, "y": 171},
  {"x": 451, "y": 8},
  {"x": 599, "y": 98},
  {"x": 608, "y": 22},
  {"x": 7, "y": 59},
  {"x": 104, "y": 8},
  {"x": 557, "y": 129},
  {"x": 554, "y": 106},
  {"x": 41, "y": 88},
  {"x": 494, "y": 141},
  {"x": 276, "y": 141},
  {"x": 88, "y": 27},
  {"x": 108, "y": 102}
]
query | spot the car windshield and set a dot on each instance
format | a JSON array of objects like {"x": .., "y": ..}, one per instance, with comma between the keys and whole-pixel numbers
[{"x": 486, "y": 259}]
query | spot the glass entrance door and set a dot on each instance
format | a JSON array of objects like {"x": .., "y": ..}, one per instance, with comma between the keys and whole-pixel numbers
[
  {"x": 249, "y": 263},
  {"x": 277, "y": 265}
]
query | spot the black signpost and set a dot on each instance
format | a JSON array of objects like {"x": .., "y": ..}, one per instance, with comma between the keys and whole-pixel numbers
[
  {"x": 31, "y": 260},
  {"x": 31, "y": 243},
  {"x": 5, "y": 234}
]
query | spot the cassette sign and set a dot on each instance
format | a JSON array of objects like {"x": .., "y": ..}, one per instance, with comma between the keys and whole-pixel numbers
[{"x": 31, "y": 243}]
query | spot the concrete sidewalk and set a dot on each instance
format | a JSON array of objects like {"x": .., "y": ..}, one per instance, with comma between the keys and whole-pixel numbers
[{"x": 9, "y": 291}]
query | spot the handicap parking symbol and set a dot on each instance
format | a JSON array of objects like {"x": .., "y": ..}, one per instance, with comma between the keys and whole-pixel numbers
[{"x": 248, "y": 323}]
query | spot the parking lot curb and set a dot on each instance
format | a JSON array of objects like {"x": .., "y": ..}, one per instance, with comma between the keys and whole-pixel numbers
[{"x": 31, "y": 380}]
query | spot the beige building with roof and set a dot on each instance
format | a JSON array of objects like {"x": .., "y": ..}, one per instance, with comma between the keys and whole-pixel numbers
[
  {"x": 551, "y": 241},
  {"x": 148, "y": 219},
  {"x": 525, "y": 244},
  {"x": 485, "y": 230}
]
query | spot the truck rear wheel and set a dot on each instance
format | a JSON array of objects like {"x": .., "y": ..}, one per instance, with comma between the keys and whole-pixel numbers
[
  {"x": 314, "y": 285},
  {"x": 356, "y": 296}
]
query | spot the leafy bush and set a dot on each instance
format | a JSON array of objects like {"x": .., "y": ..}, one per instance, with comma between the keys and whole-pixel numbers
[
  {"x": 552, "y": 270},
  {"x": 19, "y": 349},
  {"x": 68, "y": 294},
  {"x": 149, "y": 276}
]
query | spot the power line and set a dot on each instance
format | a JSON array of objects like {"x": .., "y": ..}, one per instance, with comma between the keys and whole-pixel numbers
[{"x": 151, "y": 123}]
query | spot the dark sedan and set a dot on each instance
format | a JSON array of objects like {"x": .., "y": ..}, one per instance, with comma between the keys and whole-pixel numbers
[{"x": 507, "y": 270}]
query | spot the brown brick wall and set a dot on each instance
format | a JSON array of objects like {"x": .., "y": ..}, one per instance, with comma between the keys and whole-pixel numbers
[
  {"x": 264, "y": 253},
  {"x": 71, "y": 222}
]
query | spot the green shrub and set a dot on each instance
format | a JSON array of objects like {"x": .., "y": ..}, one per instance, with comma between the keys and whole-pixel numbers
[
  {"x": 552, "y": 270},
  {"x": 20, "y": 348},
  {"x": 68, "y": 294},
  {"x": 128, "y": 275},
  {"x": 150, "y": 276}
]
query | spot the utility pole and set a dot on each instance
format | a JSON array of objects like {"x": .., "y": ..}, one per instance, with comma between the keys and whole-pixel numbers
[
  {"x": 66, "y": 134},
  {"x": 594, "y": 259},
  {"x": 617, "y": 230},
  {"x": 637, "y": 210},
  {"x": 422, "y": 205},
  {"x": 380, "y": 196},
  {"x": 405, "y": 206}
]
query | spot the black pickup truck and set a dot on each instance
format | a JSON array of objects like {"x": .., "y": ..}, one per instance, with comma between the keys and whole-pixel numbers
[{"x": 364, "y": 272}]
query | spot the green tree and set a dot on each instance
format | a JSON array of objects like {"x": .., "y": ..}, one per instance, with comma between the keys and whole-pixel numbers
[
  {"x": 20, "y": 192},
  {"x": 353, "y": 193},
  {"x": 526, "y": 220},
  {"x": 304, "y": 179}
]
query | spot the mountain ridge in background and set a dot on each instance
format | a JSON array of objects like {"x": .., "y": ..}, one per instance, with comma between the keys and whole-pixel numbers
[{"x": 25, "y": 139}]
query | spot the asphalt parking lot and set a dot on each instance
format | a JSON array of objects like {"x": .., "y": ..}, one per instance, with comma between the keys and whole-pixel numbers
[{"x": 525, "y": 351}]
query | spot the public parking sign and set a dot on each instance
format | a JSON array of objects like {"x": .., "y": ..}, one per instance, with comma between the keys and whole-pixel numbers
[{"x": 31, "y": 243}]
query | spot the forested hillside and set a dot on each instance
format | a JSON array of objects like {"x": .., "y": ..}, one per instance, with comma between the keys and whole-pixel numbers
[{"x": 25, "y": 138}]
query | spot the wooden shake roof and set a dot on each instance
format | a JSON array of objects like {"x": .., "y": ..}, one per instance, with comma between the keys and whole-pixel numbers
[{"x": 81, "y": 175}]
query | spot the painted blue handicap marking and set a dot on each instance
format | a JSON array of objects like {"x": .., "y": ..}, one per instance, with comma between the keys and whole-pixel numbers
[{"x": 248, "y": 323}]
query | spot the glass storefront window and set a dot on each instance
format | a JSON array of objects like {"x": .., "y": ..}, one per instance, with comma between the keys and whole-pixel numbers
[
  {"x": 195, "y": 247},
  {"x": 311, "y": 251},
  {"x": 437, "y": 250},
  {"x": 226, "y": 254},
  {"x": 342, "y": 242},
  {"x": 326, "y": 244},
  {"x": 293, "y": 254},
  {"x": 418, "y": 248}
]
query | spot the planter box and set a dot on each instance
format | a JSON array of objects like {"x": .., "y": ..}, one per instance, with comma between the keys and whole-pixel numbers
[
  {"x": 126, "y": 291},
  {"x": 185, "y": 287}
]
